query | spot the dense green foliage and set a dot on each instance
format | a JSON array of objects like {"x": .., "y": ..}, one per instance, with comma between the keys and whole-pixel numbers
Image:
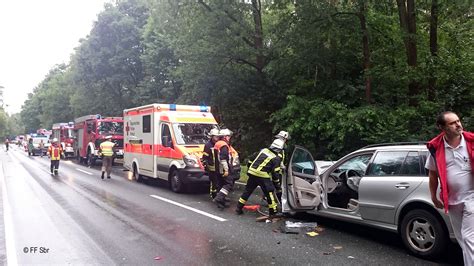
[{"x": 337, "y": 75}]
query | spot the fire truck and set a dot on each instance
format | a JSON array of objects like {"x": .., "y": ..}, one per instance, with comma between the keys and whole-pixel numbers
[
  {"x": 91, "y": 130},
  {"x": 64, "y": 132},
  {"x": 166, "y": 141}
]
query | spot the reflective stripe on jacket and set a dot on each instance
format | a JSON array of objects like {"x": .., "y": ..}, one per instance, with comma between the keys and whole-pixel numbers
[
  {"x": 106, "y": 148},
  {"x": 265, "y": 165},
  {"x": 55, "y": 152}
]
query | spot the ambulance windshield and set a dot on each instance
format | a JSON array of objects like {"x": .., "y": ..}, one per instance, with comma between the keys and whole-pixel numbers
[
  {"x": 190, "y": 133},
  {"x": 110, "y": 128}
]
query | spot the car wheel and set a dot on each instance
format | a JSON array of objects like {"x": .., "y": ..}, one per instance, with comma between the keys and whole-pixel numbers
[
  {"x": 136, "y": 175},
  {"x": 423, "y": 234},
  {"x": 176, "y": 184}
]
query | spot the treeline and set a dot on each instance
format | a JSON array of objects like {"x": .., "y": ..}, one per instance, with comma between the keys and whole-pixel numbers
[{"x": 336, "y": 74}]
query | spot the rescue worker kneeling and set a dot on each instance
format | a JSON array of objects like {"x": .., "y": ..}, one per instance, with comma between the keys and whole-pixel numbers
[
  {"x": 264, "y": 171},
  {"x": 225, "y": 155}
]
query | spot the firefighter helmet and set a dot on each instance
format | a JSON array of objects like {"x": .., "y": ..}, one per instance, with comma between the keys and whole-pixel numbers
[
  {"x": 225, "y": 132},
  {"x": 282, "y": 135},
  {"x": 214, "y": 132},
  {"x": 108, "y": 137},
  {"x": 55, "y": 140},
  {"x": 277, "y": 144}
]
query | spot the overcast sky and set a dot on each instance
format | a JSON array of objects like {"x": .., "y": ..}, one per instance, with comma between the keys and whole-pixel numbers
[{"x": 36, "y": 35}]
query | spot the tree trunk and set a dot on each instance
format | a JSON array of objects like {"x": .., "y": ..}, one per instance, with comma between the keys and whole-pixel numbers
[
  {"x": 433, "y": 47},
  {"x": 407, "y": 15},
  {"x": 258, "y": 35},
  {"x": 366, "y": 51}
]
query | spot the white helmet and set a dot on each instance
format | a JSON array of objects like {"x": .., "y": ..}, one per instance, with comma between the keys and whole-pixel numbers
[
  {"x": 225, "y": 132},
  {"x": 283, "y": 135},
  {"x": 214, "y": 132},
  {"x": 108, "y": 137},
  {"x": 277, "y": 144},
  {"x": 55, "y": 140}
]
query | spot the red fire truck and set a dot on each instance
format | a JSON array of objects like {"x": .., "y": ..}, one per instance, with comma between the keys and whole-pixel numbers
[
  {"x": 64, "y": 132},
  {"x": 91, "y": 131}
]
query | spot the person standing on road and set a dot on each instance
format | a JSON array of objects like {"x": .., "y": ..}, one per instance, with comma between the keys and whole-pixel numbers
[
  {"x": 283, "y": 136},
  {"x": 7, "y": 144},
  {"x": 54, "y": 153},
  {"x": 225, "y": 155},
  {"x": 263, "y": 171},
  {"x": 41, "y": 148},
  {"x": 452, "y": 163},
  {"x": 106, "y": 150},
  {"x": 209, "y": 162}
]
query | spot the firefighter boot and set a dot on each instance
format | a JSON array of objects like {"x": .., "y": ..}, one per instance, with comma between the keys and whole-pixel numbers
[
  {"x": 220, "y": 200},
  {"x": 239, "y": 208},
  {"x": 102, "y": 176}
]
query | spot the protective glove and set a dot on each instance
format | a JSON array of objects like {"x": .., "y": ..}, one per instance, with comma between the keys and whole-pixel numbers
[{"x": 225, "y": 174}]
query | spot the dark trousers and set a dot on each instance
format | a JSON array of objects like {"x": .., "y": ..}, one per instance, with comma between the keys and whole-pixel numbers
[
  {"x": 215, "y": 185},
  {"x": 107, "y": 164},
  {"x": 268, "y": 190},
  {"x": 226, "y": 184},
  {"x": 54, "y": 165}
]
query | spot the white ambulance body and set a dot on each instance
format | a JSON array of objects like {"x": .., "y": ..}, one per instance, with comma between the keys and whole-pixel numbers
[{"x": 166, "y": 141}]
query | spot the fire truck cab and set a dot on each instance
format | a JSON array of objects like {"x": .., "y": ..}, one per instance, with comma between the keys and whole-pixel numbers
[
  {"x": 91, "y": 131},
  {"x": 64, "y": 132},
  {"x": 166, "y": 141}
]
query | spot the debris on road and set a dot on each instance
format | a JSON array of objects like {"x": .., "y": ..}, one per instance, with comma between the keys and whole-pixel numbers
[
  {"x": 296, "y": 227},
  {"x": 158, "y": 258},
  {"x": 312, "y": 233}
]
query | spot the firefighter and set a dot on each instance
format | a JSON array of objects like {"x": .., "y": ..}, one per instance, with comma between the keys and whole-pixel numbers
[
  {"x": 224, "y": 159},
  {"x": 54, "y": 153},
  {"x": 106, "y": 150},
  {"x": 208, "y": 160},
  {"x": 7, "y": 143},
  {"x": 264, "y": 171},
  {"x": 284, "y": 136}
]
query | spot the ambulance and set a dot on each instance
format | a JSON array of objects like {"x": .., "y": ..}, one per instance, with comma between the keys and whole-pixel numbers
[{"x": 166, "y": 141}]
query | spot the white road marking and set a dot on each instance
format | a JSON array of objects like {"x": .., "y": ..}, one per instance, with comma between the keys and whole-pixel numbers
[
  {"x": 7, "y": 220},
  {"x": 85, "y": 172},
  {"x": 190, "y": 208}
]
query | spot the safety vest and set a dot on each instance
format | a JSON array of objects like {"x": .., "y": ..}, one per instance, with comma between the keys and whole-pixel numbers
[
  {"x": 106, "y": 148},
  {"x": 55, "y": 152},
  {"x": 262, "y": 167},
  {"x": 217, "y": 153}
]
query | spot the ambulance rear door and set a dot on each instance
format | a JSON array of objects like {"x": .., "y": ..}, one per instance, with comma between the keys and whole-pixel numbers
[{"x": 147, "y": 158}]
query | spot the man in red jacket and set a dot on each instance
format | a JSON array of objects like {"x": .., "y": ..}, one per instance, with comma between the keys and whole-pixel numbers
[{"x": 452, "y": 161}]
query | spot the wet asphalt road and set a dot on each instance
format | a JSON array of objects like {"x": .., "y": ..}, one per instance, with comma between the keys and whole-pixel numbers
[{"x": 77, "y": 218}]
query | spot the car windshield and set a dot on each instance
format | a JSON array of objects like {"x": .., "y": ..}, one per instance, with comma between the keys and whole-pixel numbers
[
  {"x": 110, "y": 128},
  {"x": 190, "y": 133}
]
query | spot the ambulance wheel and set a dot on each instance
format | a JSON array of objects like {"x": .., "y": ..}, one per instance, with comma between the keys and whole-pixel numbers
[
  {"x": 176, "y": 184},
  {"x": 136, "y": 175}
]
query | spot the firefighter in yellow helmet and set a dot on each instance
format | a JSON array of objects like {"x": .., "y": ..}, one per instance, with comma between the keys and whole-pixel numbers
[
  {"x": 227, "y": 160},
  {"x": 106, "y": 150},
  {"x": 208, "y": 159},
  {"x": 54, "y": 153},
  {"x": 264, "y": 171}
]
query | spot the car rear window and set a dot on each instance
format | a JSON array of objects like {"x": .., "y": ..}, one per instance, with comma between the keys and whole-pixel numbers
[{"x": 401, "y": 163}]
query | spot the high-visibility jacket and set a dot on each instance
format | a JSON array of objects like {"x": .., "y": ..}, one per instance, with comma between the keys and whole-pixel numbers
[
  {"x": 224, "y": 155},
  {"x": 266, "y": 165},
  {"x": 107, "y": 148},
  {"x": 55, "y": 152},
  {"x": 208, "y": 156}
]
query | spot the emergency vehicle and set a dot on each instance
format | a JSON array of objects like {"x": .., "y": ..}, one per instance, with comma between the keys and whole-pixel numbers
[
  {"x": 91, "y": 130},
  {"x": 64, "y": 132},
  {"x": 166, "y": 141}
]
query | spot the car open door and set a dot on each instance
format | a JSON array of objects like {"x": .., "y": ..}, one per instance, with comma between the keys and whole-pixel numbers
[{"x": 302, "y": 186}]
